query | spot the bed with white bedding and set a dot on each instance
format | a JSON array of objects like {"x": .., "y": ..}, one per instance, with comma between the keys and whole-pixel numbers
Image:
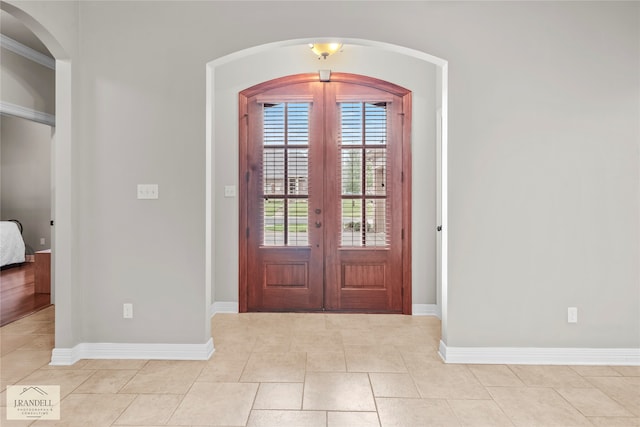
[{"x": 12, "y": 248}]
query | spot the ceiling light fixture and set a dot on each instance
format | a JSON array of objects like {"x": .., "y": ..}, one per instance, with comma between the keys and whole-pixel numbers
[{"x": 325, "y": 49}]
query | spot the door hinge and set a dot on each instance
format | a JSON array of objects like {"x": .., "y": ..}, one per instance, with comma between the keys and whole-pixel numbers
[
  {"x": 402, "y": 234},
  {"x": 247, "y": 232},
  {"x": 246, "y": 176},
  {"x": 401, "y": 176}
]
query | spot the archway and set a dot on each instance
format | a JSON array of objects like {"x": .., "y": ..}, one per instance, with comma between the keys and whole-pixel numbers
[
  {"x": 62, "y": 213},
  {"x": 215, "y": 66}
]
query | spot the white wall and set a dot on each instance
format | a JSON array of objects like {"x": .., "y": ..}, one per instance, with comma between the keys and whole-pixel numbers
[
  {"x": 544, "y": 166},
  {"x": 25, "y": 174},
  {"x": 543, "y": 159},
  {"x": 413, "y": 74}
]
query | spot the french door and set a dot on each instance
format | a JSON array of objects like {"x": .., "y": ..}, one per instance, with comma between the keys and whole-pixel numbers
[{"x": 325, "y": 195}]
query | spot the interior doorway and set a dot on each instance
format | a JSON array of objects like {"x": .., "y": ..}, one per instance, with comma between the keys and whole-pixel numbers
[
  {"x": 325, "y": 195},
  {"x": 62, "y": 279},
  {"x": 27, "y": 127}
]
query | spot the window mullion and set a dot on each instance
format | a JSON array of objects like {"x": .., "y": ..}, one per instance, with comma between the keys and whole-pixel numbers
[
  {"x": 286, "y": 174},
  {"x": 363, "y": 179}
]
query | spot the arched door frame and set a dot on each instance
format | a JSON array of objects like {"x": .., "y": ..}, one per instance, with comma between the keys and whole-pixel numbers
[
  {"x": 210, "y": 144},
  {"x": 62, "y": 195},
  {"x": 354, "y": 79}
]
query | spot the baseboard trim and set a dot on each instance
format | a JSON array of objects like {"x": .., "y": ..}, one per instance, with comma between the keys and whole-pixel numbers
[
  {"x": 232, "y": 307},
  {"x": 69, "y": 356},
  {"x": 426, "y": 310},
  {"x": 540, "y": 356},
  {"x": 223, "y": 307}
]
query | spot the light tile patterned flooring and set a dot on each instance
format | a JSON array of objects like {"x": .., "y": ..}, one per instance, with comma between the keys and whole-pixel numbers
[{"x": 317, "y": 370}]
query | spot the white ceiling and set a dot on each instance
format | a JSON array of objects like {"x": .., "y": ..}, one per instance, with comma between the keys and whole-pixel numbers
[{"x": 11, "y": 27}]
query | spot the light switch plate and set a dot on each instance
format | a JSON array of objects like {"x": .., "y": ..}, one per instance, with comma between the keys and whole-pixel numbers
[
  {"x": 147, "y": 191},
  {"x": 127, "y": 311},
  {"x": 229, "y": 191}
]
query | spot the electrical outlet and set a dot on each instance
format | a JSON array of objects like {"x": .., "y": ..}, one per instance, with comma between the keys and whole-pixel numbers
[
  {"x": 42, "y": 240},
  {"x": 572, "y": 315},
  {"x": 127, "y": 311}
]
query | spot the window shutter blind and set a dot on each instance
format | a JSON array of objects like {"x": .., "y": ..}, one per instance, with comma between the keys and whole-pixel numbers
[
  {"x": 285, "y": 173},
  {"x": 363, "y": 170}
]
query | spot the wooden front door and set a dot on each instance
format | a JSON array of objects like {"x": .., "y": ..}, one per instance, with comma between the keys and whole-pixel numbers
[{"x": 325, "y": 195}]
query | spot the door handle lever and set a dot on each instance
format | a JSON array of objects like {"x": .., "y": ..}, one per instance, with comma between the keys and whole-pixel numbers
[{"x": 318, "y": 224}]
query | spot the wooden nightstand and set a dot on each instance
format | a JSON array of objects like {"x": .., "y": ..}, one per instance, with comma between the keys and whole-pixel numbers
[{"x": 43, "y": 272}]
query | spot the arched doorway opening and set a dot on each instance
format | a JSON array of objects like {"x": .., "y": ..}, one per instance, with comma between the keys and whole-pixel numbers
[
  {"x": 221, "y": 266},
  {"x": 62, "y": 213}
]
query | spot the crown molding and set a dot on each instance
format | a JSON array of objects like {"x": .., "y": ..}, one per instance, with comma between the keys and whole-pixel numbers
[
  {"x": 9, "y": 109},
  {"x": 26, "y": 52}
]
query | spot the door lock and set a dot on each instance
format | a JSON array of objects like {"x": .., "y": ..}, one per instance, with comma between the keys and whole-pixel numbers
[{"x": 318, "y": 210}]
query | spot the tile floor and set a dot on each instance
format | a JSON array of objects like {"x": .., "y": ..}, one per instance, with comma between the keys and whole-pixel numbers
[{"x": 311, "y": 370}]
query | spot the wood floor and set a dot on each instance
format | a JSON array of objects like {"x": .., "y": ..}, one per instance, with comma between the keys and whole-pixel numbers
[{"x": 17, "y": 293}]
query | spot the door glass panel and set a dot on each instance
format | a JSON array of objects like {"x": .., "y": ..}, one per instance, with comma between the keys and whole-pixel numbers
[
  {"x": 273, "y": 171},
  {"x": 363, "y": 135},
  {"x": 273, "y": 124},
  {"x": 376, "y": 123},
  {"x": 285, "y": 174},
  {"x": 351, "y": 234},
  {"x": 376, "y": 171},
  {"x": 376, "y": 221},
  {"x": 351, "y": 123},
  {"x": 273, "y": 222},
  {"x": 298, "y": 171},
  {"x": 297, "y": 227},
  {"x": 298, "y": 123},
  {"x": 351, "y": 171}
]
